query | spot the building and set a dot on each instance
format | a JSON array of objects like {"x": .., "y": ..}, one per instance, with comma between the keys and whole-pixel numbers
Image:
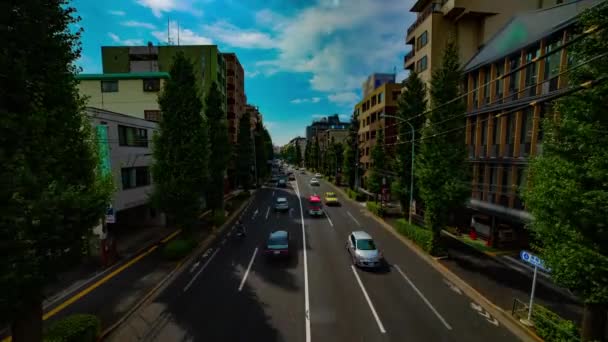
[
  {"x": 519, "y": 65},
  {"x": 255, "y": 115},
  {"x": 374, "y": 81},
  {"x": 128, "y": 140},
  {"x": 133, "y": 94},
  {"x": 208, "y": 62},
  {"x": 369, "y": 113},
  {"x": 327, "y": 136},
  {"x": 330, "y": 122},
  {"x": 470, "y": 23},
  {"x": 235, "y": 93},
  {"x": 301, "y": 142}
]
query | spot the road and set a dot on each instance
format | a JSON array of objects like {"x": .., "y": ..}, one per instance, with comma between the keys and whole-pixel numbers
[{"x": 233, "y": 293}]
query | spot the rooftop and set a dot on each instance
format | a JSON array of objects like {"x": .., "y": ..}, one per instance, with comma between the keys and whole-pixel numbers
[{"x": 122, "y": 76}]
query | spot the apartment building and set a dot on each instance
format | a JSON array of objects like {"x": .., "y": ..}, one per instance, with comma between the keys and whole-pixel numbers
[
  {"x": 327, "y": 136},
  {"x": 235, "y": 94},
  {"x": 301, "y": 142},
  {"x": 518, "y": 66},
  {"x": 323, "y": 124},
  {"x": 369, "y": 112},
  {"x": 133, "y": 94},
  {"x": 255, "y": 115},
  {"x": 208, "y": 62},
  {"x": 375, "y": 80},
  {"x": 470, "y": 23}
]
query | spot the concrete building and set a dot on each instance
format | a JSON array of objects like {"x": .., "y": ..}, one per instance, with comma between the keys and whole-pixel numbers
[
  {"x": 301, "y": 142},
  {"x": 209, "y": 65},
  {"x": 326, "y": 137},
  {"x": 330, "y": 122},
  {"x": 255, "y": 115},
  {"x": 471, "y": 23},
  {"x": 374, "y": 81},
  {"x": 129, "y": 142},
  {"x": 134, "y": 94},
  {"x": 519, "y": 65},
  {"x": 235, "y": 93},
  {"x": 369, "y": 111}
]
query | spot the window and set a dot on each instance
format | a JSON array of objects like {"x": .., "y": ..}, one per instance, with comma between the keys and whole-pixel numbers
[
  {"x": 132, "y": 136},
  {"x": 480, "y": 176},
  {"x": 526, "y": 125},
  {"x": 134, "y": 177},
  {"x": 493, "y": 182},
  {"x": 109, "y": 86},
  {"x": 373, "y": 100},
  {"x": 374, "y": 134},
  {"x": 486, "y": 86},
  {"x": 506, "y": 179},
  {"x": 514, "y": 77},
  {"x": 500, "y": 70},
  {"x": 152, "y": 84},
  {"x": 396, "y": 95},
  {"x": 531, "y": 71},
  {"x": 484, "y": 132},
  {"x": 380, "y": 97},
  {"x": 521, "y": 178},
  {"x": 552, "y": 64},
  {"x": 475, "y": 90},
  {"x": 496, "y": 132},
  {"x": 152, "y": 115},
  {"x": 421, "y": 65},
  {"x": 422, "y": 40}
]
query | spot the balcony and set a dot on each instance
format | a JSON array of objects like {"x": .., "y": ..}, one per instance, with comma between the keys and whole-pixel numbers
[
  {"x": 433, "y": 8},
  {"x": 408, "y": 59}
]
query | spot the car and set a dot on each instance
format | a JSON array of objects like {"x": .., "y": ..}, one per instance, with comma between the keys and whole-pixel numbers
[
  {"x": 302, "y": 172},
  {"x": 274, "y": 179},
  {"x": 314, "y": 181},
  {"x": 281, "y": 183},
  {"x": 318, "y": 175},
  {"x": 363, "y": 250},
  {"x": 292, "y": 177},
  {"x": 331, "y": 198},
  {"x": 281, "y": 204},
  {"x": 277, "y": 244}
]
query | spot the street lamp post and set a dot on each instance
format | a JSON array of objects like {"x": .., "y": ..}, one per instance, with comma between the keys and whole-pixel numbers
[{"x": 412, "y": 166}]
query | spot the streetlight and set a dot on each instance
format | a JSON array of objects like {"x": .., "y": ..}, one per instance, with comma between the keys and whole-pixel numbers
[{"x": 412, "y": 170}]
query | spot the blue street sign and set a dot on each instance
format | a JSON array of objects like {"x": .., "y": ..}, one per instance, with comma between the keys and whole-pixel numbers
[{"x": 532, "y": 259}]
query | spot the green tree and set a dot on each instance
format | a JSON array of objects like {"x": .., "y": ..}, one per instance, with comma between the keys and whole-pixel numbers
[
  {"x": 351, "y": 152},
  {"x": 53, "y": 191},
  {"x": 260, "y": 151},
  {"x": 307, "y": 151},
  {"x": 181, "y": 147},
  {"x": 298, "y": 156},
  {"x": 315, "y": 156},
  {"x": 338, "y": 157},
  {"x": 567, "y": 192},
  {"x": 244, "y": 152},
  {"x": 219, "y": 147},
  {"x": 441, "y": 168},
  {"x": 378, "y": 161},
  {"x": 412, "y": 103}
]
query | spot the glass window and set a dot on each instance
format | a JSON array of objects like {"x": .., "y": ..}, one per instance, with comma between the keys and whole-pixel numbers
[
  {"x": 366, "y": 245},
  {"x": 521, "y": 178},
  {"x": 493, "y": 179},
  {"x": 552, "y": 62},
  {"x": 514, "y": 63},
  {"x": 486, "y": 86},
  {"x": 132, "y": 136},
  {"x": 480, "y": 176},
  {"x": 475, "y": 89},
  {"x": 380, "y": 97},
  {"x": 133, "y": 177},
  {"x": 500, "y": 70},
  {"x": 526, "y": 125},
  {"x": 506, "y": 178},
  {"x": 496, "y": 131},
  {"x": 421, "y": 65},
  {"x": 484, "y": 131},
  {"x": 531, "y": 72},
  {"x": 151, "y": 85},
  {"x": 422, "y": 40},
  {"x": 152, "y": 115},
  {"x": 109, "y": 86}
]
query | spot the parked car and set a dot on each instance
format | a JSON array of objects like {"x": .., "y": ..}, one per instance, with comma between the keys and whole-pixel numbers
[
  {"x": 314, "y": 182},
  {"x": 363, "y": 250},
  {"x": 277, "y": 244},
  {"x": 281, "y": 204}
]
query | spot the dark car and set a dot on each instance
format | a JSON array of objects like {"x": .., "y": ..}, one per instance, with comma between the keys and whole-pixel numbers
[
  {"x": 282, "y": 183},
  {"x": 277, "y": 244}
]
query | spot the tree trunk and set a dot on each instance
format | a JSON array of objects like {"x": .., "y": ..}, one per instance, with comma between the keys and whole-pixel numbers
[
  {"x": 594, "y": 322},
  {"x": 27, "y": 323}
]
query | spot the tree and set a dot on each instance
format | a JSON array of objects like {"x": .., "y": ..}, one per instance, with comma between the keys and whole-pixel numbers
[
  {"x": 441, "y": 168},
  {"x": 412, "y": 103},
  {"x": 53, "y": 189},
  {"x": 567, "y": 192},
  {"x": 244, "y": 152},
  {"x": 338, "y": 149},
  {"x": 181, "y": 147},
  {"x": 315, "y": 156},
  {"x": 351, "y": 152},
  {"x": 261, "y": 152},
  {"x": 307, "y": 151},
  {"x": 298, "y": 157},
  {"x": 378, "y": 160},
  {"x": 219, "y": 147}
]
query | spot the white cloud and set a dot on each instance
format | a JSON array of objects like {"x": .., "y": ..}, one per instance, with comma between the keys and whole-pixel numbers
[
  {"x": 186, "y": 36},
  {"x": 140, "y": 24},
  {"x": 251, "y": 74},
  {"x": 310, "y": 100},
  {"x": 344, "y": 117},
  {"x": 319, "y": 116},
  {"x": 234, "y": 36},
  {"x": 129, "y": 42},
  {"x": 159, "y": 6},
  {"x": 270, "y": 124},
  {"x": 345, "y": 97},
  {"x": 118, "y": 13}
]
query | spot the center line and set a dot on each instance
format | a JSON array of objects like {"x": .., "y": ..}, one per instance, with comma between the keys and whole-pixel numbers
[
  {"x": 267, "y": 212},
  {"x": 200, "y": 271},
  {"x": 423, "y": 298},
  {"x": 306, "y": 296},
  {"x": 248, "y": 268},
  {"x": 352, "y": 217},
  {"x": 369, "y": 301}
]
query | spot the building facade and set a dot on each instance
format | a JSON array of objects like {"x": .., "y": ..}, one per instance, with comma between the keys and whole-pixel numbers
[
  {"x": 510, "y": 85},
  {"x": 255, "y": 115},
  {"x": 301, "y": 142},
  {"x": 330, "y": 122},
  {"x": 134, "y": 94},
  {"x": 235, "y": 94},
  {"x": 374, "y": 81},
  {"x": 369, "y": 113}
]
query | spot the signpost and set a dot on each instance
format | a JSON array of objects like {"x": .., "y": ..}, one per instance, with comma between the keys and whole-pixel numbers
[{"x": 537, "y": 263}]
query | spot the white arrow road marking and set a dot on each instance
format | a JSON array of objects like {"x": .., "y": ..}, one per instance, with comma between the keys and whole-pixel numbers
[
  {"x": 248, "y": 268},
  {"x": 452, "y": 286},
  {"x": 194, "y": 266},
  {"x": 484, "y": 313},
  {"x": 328, "y": 219},
  {"x": 267, "y": 212},
  {"x": 200, "y": 271},
  {"x": 476, "y": 307}
]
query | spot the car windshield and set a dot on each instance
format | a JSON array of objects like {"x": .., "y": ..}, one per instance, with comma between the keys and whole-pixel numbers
[
  {"x": 281, "y": 200},
  {"x": 366, "y": 245},
  {"x": 277, "y": 241},
  {"x": 330, "y": 194}
]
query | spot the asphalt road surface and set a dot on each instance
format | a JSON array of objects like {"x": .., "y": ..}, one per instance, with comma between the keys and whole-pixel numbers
[{"x": 234, "y": 293}]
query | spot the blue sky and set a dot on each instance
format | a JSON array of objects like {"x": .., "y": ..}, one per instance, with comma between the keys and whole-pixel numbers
[{"x": 303, "y": 59}]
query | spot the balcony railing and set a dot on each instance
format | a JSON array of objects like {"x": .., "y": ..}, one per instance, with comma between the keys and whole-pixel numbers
[
  {"x": 408, "y": 57},
  {"x": 433, "y": 8}
]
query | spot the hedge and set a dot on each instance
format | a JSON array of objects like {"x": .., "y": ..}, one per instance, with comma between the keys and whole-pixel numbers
[
  {"x": 219, "y": 217},
  {"x": 74, "y": 328},
  {"x": 420, "y": 236},
  {"x": 375, "y": 208},
  {"x": 357, "y": 196},
  {"x": 177, "y": 249},
  {"x": 551, "y": 327}
]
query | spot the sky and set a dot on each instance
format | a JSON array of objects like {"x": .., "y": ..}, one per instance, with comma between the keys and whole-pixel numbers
[{"x": 303, "y": 59}]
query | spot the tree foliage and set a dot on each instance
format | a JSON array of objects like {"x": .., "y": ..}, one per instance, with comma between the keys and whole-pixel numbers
[
  {"x": 244, "y": 164},
  {"x": 298, "y": 156},
  {"x": 441, "y": 169},
  {"x": 219, "y": 147},
  {"x": 315, "y": 155},
  {"x": 181, "y": 147},
  {"x": 262, "y": 150},
  {"x": 378, "y": 160},
  {"x": 351, "y": 152},
  {"x": 567, "y": 192},
  {"x": 412, "y": 103},
  {"x": 52, "y": 190},
  {"x": 307, "y": 151}
]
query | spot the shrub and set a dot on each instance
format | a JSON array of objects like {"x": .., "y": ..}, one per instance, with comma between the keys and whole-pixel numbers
[
  {"x": 219, "y": 217},
  {"x": 74, "y": 328},
  {"x": 420, "y": 236},
  {"x": 376, "y": 208},
  {"x": 177, "y": 249},
  {"x": 243, "y": 194},
  {"x": 551, "y": 327},
  {"x": 357, "y": 196}
]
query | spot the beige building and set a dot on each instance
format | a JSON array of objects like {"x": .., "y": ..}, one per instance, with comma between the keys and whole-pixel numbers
[
  {"x": 471, "y": 23},
  {"x": 133, "y": 94},
  {"x": 325, "y": 137}
]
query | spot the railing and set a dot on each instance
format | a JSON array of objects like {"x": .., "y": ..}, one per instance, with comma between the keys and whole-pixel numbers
[
  {"x": 433, "y": 8},
  {"x": 408, "y": 57}
]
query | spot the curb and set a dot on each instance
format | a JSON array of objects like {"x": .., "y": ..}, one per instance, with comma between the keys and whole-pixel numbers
[
  {"x": 505, "y": 318},
  {"x": 179, "y": 268}
]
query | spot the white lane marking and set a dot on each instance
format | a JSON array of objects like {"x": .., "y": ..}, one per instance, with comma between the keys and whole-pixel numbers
[
  {"x": 352, "y": 217},
  {"x": 200, "y": 271},
  {"x": 452, "y": 286},
  {"x": 267, "y": 212},
  {"x": 328, "y": 219},
  {"x": 194, "y": 266},
  {"x": 273, "y": 194},
  {"x": 255, "y": 213},
  {"x": 248, "y": 268},
  {"x": 306, "y": 295},
  {"x": 369, "y": 301},
  {"x": 423, "y": 298}
]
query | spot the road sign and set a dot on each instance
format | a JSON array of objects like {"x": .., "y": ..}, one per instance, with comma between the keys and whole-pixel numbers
[
  {"x": 110, "y": 215},
  {"x": 532, "y": 259}
]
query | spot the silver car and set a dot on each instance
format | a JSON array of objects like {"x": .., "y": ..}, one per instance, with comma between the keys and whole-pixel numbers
[
  {"x": 363, "y": 250},
  {"x": 281, "y": 204}
]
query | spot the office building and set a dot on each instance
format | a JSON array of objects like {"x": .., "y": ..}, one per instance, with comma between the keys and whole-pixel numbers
[
  {"x": 320, "y": 125},
  {"x": 235, "y": 93}
]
